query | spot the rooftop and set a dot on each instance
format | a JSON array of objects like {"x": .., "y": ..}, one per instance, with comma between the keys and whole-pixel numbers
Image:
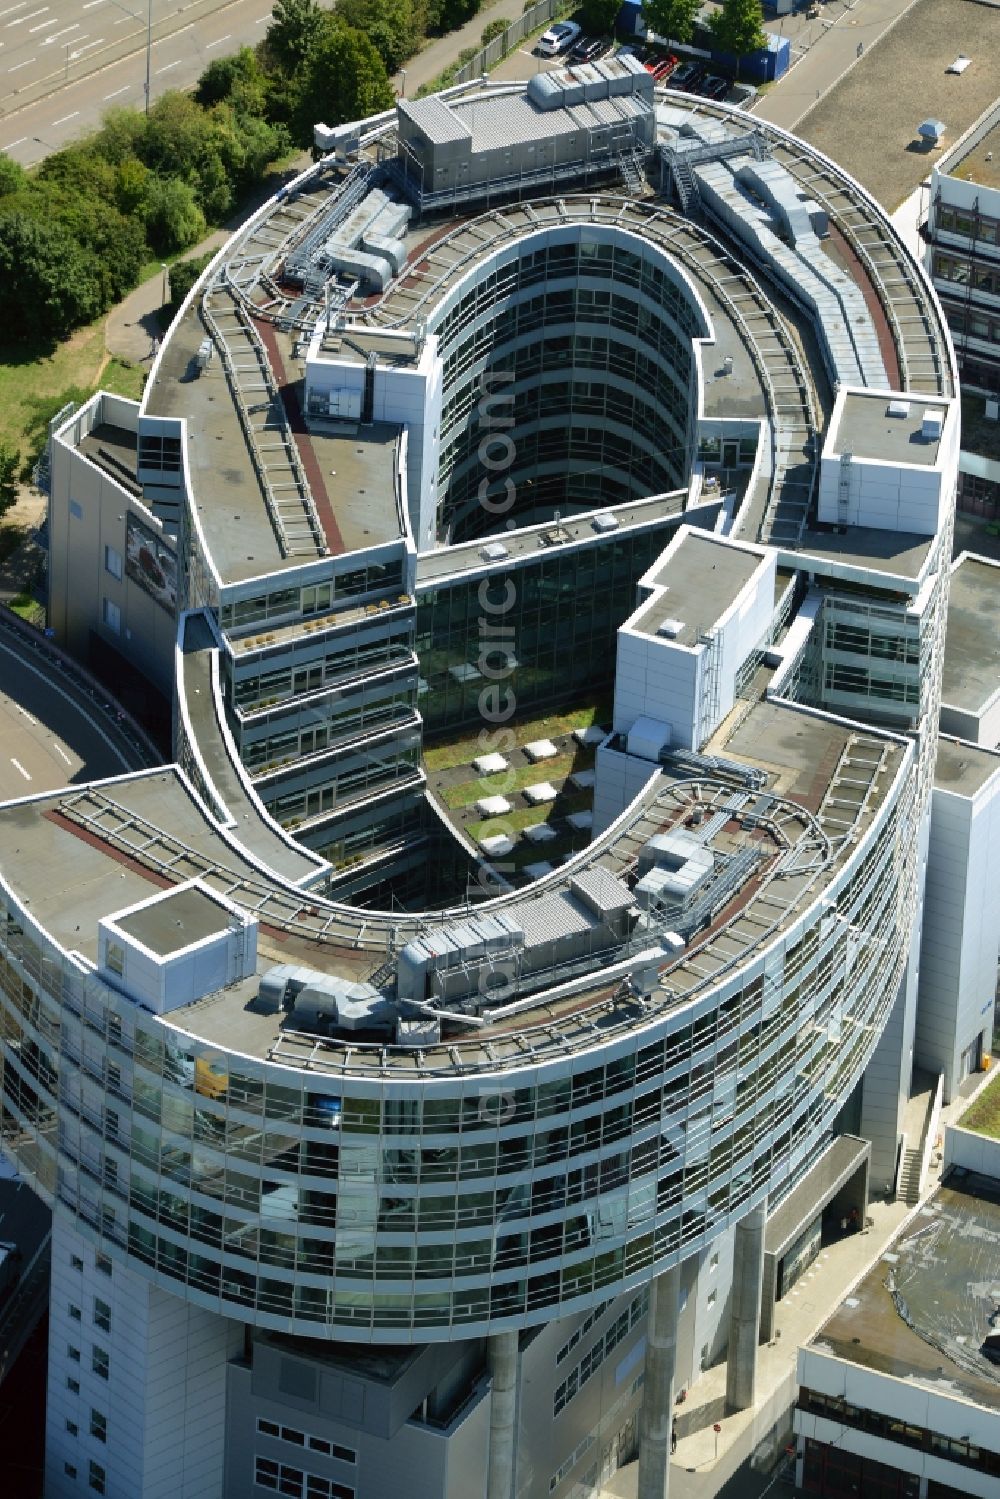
[
  {"x": 78, "y": 857},
  {"x": 971, "y": 673},
  {"x": 528, "y": 541},
  {"x": 976, "y": 157},
  {"x": 701, "y": 577},
  {"x": 923, "y": 1309},
  {"x": 868, "y": 121},
  {"x": 175, "y": 920},
  {"x": 874, "y": 425},
  {"x": 351, "y": 470},
  {"x": 963, "y": 768},
  {"x": 863, "y": 550}
]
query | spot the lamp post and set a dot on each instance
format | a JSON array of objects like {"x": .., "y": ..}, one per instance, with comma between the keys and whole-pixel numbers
[
  {"x": 149, "y": 47},
  {"x": 149, "y": 41}
]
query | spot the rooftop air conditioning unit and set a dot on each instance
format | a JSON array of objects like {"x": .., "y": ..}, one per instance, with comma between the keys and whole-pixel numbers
[
  {"x": 605, "y": 522},
  {"x": 898, "y": 408},
  {"x": 932, "y": 423},
  {"x": 671, "y": 628},
  {"x": 494, "y": 551}
]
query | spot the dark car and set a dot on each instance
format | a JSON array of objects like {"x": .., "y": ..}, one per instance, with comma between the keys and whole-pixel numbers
[
  {"x": 589, "y": 49},
  {"x": 712, "y": 87},
  {"x": 663, "y": 69},
  {"x": 685, "y": 75}
]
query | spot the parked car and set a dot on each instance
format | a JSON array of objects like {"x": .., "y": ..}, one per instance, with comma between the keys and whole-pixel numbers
[
  {"x": 664, "y": 68},
  {"x": 589, "y": 49},
  {"x": 558, "y": 38},
  {"x": 713, "y": 87},
  {"x": 685, "y": 75}
]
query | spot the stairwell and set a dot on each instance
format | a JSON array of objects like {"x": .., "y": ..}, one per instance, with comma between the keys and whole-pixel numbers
[{"x": 908, "y": 1188}]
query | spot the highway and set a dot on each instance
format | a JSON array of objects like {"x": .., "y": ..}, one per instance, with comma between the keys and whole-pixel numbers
[{"x": 64, "y": 62}]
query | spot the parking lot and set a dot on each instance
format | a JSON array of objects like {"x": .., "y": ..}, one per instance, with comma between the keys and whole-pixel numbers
[{"x": 527, "y": 60}]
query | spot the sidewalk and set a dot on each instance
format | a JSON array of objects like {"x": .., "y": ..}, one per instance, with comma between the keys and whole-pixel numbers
[{"x": 696, "y": 1471}]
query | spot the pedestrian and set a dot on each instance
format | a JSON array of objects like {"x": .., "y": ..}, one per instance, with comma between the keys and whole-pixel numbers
[{"x": 673, "y": 1441}]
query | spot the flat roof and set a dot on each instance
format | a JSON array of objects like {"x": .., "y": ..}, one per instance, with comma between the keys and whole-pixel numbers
[
  {"x": 351, "y": 469},
  {"x": 900, "y": 555},
  {"x": 868, "y": 430},
  {"x": 971, "y": 672},
  {"x": 174, "y": 920},
  {"x": 702, "y": 576},
  {"x": 534, "y": 541},
  {"x": 868, "y": 120},
  {"x": 942, "y": 1271},
  {"x": 977, "y": 157},
  {"x": 84, "y": 855},
  {"x": 963, "y": 768}
]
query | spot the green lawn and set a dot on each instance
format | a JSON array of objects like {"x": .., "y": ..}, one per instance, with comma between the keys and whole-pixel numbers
[
  {"x": 34, "y": 383},
  {"x": 28, "y": 609},
  {"x": 516, "y": 822},
  {"x": 984, "y": 1116},
  {"x": 510, "y": 782},
  {"x": 446, "y": 755}
]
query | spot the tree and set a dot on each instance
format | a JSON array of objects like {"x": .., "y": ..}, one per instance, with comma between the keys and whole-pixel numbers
[
  {"x": 183, "y": 275},
  {"x": 390, "y": 26},
  {"x": 173, "y": 218},
  {"x": 49, "y": 284},
  {"x": 238, "y": 80},
  {"x": 673, "y": 20},
  {"x": 599, "y": 16},
  {"x": 344, "y": 79},
  {"x": 12, "y": 176},
  {"x": 738, "y": 28},
  {"x": 493, "y": 29},
  {"x": 10, "y": 463},
  {"x": 295, "y": 26}
]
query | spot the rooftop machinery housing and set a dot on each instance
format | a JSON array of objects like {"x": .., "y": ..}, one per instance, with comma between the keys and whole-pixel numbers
[{"x": 645, "y": 388}]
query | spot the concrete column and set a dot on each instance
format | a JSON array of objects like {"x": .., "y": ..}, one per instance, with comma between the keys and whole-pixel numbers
[
  {"x": 502, "y": 1362},
  {"x": 744, "y": 1310},
  {"x": 657, "y": 1414}
]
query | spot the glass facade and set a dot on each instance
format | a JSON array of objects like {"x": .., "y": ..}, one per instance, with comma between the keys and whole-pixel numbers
[
  {"x": 540, "y": 633},
  {"x": 581, "y": 350},
  {"x": 466, "y": 1199}
]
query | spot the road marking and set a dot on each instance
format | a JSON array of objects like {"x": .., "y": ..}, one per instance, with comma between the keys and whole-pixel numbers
[
  {"x": 25, "y": 714},
  {"x": 22, "y": 65},
  {"x": 44, "y": 25},
  {"x": 218, "y": 43},
  {"x": 77, "y": 707},
  {"x": 124, "y": 20},
  {"x": 75, "y": 27},
  {"x": 12, "y": 8},
  {"x": 64, "y": 119},
  {"x": 167, "y": 66},
  {"x": 89, "y": 4},
  {"x": 117, "y": 92},
  {"x": 11, "y": 144},
  {"x": 261, "y": 19},
  {"x": 18, "y": 766},
  {"x": 29, "y": 17},
  {"x": 60, "y": 751},
  {"x": 81, "y": 50}
]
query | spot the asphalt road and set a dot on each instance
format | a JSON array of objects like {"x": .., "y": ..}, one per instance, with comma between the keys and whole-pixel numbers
[
  {"x": 50, "y": 735},
  {"x": 48, "y": 43}
]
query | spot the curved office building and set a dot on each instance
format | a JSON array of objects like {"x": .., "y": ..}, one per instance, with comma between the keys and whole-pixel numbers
[{"x": 516, "y": 387}]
